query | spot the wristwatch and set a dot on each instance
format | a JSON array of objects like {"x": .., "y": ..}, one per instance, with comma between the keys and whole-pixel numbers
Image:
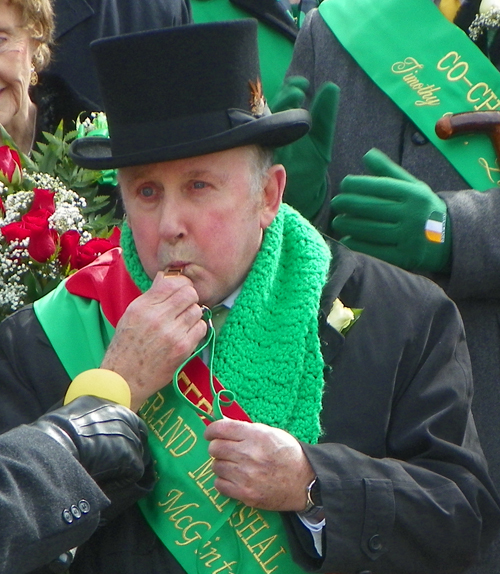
[{"x": 314, "y": 501}]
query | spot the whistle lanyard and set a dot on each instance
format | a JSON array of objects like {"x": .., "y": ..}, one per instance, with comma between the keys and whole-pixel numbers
[{"x": 223, "y": 398}]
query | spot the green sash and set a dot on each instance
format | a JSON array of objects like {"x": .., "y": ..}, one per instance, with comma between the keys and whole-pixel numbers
[
  {"x": 205, "y": 531},
  {"x": 428, "y": 67},
  {"x": 275, "y": 50}
]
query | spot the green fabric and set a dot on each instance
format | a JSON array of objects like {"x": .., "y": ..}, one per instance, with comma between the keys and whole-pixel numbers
[
  {"x": 203, "y": 529},
  {"x": 306, "y": 161},
  {"x": 427, "y": 70},
  {"x": 268, "y": 352},
  {"x": 275, "y": 50},
  {"x": 76, "y": 328},
  {"x": 385, "y": 215}
]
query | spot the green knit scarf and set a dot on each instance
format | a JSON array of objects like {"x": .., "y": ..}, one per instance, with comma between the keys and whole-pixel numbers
[{"x": 268, "y": 350}]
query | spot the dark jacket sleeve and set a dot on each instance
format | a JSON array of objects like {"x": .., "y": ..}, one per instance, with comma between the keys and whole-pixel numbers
[
  {"x": 48, "y": 502},
  {"x": 404, "y": 482},
  {"x": 475, "y": 233}
]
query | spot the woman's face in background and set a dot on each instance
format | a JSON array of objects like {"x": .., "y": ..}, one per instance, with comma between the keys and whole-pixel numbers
[{"x": 16, "y": 53}]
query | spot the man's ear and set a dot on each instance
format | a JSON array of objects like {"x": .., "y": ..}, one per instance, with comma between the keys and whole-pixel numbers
[{"x": 272, "y": 194}]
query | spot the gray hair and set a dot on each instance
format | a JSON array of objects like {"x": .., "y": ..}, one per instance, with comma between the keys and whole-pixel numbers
[{"x": 262, "y": 160}]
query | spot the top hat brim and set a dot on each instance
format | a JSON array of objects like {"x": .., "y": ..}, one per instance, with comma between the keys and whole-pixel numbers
[{"x": 274, "y": 130}]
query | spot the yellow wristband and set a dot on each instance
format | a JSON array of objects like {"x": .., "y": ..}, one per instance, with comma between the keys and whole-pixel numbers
[{"x": 100, "y": 383}]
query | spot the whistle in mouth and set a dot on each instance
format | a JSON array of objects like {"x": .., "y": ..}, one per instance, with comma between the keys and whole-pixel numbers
[{"x": 172, "y": 272}]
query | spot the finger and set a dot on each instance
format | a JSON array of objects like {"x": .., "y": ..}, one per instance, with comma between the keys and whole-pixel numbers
[
  {"x": 163, "y": 280},
  {"x": 324, "y": 110},
  {"x": 377, "y": 163},
  {"x": 298, "y": 82},
  {"x": 382, "y": 187},
  {"x": 193, "y": 335},
  {"x": 177, "y": 303},
  {"x": 225, "y": 450},
  {"x": 289, "y": 98},
  {"x": 367, "y": 230},
  {"x": 192, "y": 315},
  {"x": 227, "y": 429},
  {"x": 229, "y": 489},
  {"x": 163, "y": 287},
  {"x": 366, "y": 207},
  {"x": 291, "y": 95}
]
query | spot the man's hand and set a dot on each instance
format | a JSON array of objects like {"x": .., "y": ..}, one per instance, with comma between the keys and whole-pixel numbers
[
  {"x": 108, "y": 440},
  {"x": 157, "y": 332},
  {"x": 393, "y": 216},
  {"x": 306, "y": 161},
  {"x": 259, "y": 465}
]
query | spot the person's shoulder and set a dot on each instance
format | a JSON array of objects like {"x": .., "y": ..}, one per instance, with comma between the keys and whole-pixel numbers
[
  {"x": 374, "y": 274},
  {"x": 22, "y": 324},
  {"x": 21, "y": 335}
]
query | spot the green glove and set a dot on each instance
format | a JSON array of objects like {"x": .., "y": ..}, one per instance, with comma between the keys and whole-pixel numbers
[
  {"x": 306, "y": 160},
  {"x": 393, "y": 216}
]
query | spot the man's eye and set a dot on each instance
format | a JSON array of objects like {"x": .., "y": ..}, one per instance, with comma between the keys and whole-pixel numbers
[
  {"x": 199, "y": 185},
  {"x": 147, "y": 191}
]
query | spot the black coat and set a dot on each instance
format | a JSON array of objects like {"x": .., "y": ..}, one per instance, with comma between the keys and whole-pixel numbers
[
  {"x": 55, "y": 101},
  {"x": 39, "y": 481},
  {"x": 474, "y": 278},
  {"x": 79, "y": 22},
  {"x": 403, "y": 479}
]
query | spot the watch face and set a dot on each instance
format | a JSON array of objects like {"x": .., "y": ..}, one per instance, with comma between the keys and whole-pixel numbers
[{"x": 315, "y": 493}]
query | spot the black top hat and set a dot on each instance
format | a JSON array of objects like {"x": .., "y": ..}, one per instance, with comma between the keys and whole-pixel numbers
[{"x": 181, "y": 92}]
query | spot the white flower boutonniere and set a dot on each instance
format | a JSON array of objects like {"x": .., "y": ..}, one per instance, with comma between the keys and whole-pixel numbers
[
  {"x": 342, "y": 318},
  {"x": 487, "y": 19}
]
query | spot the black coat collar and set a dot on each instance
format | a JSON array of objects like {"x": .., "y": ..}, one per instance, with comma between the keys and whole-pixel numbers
[{"x": 271, "y": 12}]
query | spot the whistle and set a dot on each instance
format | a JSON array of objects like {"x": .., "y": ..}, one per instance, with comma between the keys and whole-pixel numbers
[{"x": 174, "y": 271}]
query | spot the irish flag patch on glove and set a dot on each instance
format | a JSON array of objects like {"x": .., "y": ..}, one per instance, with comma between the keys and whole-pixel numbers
[{"x": 435, "y": 227}]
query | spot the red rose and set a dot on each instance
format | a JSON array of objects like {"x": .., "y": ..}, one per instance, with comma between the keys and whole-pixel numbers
[
  {"x": 2, "y": 207},
  {"x": 36, "y": 219},
  {"x": 15, "y": 231},
  {"x": 69, "y": 243},
  {"x": 10, "y": 165},
  {"x": 43, "y": 243},
  {"x": 76, "y": 255},
  {"x": 92, "y": 249},
  {"x": 44, "y": 199}
]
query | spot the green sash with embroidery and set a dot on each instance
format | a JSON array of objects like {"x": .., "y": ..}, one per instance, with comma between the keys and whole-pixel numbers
[
  {"x": 205, "y": 531},
  {"x": 428, "y": 67}
]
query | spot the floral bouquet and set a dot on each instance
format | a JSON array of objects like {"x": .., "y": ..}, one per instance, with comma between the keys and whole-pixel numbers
[{"x": 52, "y": 219}]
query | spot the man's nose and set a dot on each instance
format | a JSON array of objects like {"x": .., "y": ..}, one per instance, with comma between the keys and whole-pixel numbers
[{"x": 173, "y": 222}]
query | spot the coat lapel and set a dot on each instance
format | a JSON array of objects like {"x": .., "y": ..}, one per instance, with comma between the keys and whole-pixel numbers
[{"x": 341, "y": 269}]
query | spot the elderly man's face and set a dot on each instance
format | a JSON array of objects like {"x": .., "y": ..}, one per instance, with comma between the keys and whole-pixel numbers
[{"x": 202, "y": 215}]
